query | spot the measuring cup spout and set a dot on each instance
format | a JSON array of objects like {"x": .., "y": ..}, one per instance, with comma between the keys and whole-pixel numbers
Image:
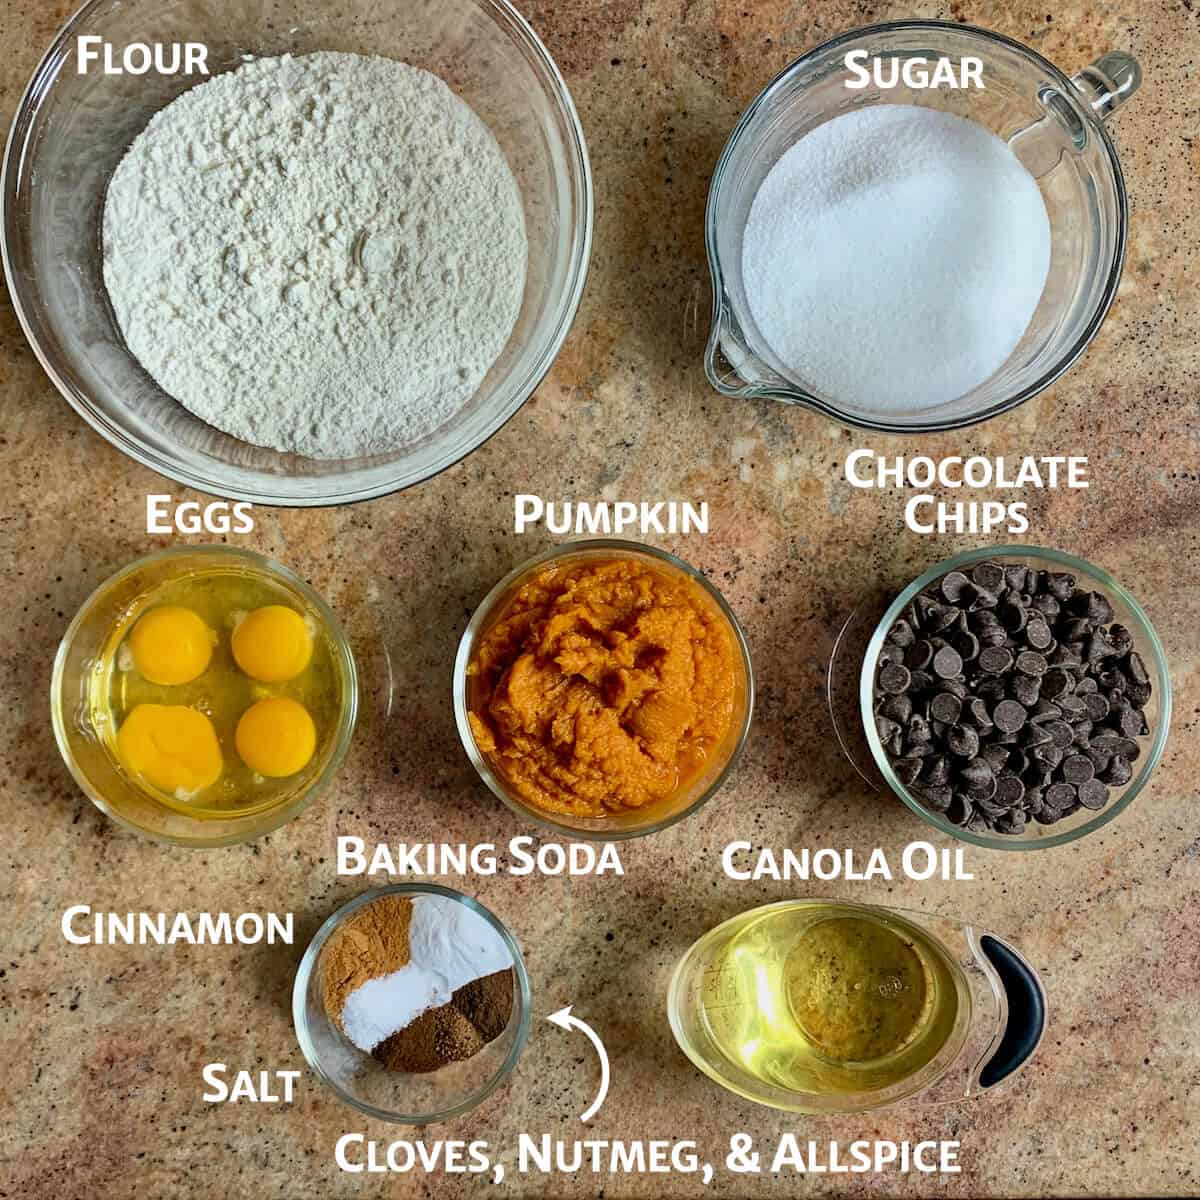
[
  {"x": 1108, "y": 82},
  {"x": 731, "y": 366}
]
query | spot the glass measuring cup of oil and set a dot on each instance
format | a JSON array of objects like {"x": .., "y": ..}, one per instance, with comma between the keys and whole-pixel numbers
[
  {"x": 1053, "y": 123},
  {"x": 97, "y": 686},
  {"x": 830, "y": 1006}
]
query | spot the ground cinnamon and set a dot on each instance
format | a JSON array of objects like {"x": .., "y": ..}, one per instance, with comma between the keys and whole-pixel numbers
[
  {"x": 477, "y": 1014},
  {"x": 372, "y": 943}
]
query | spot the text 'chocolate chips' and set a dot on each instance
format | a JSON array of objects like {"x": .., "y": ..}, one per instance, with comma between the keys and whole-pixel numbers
[{"x": 1006, "y": 694}]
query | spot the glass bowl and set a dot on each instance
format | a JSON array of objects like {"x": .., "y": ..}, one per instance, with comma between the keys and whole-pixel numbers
[
  {"x": 1054, "y": 125},
  {"x": 1158, "y": 711},
  {"x": 92, "y": 762},
  {"x": 633, "y": 822},
  {"x": 360, "y": 1081},
  {"x": 71, "y": 130}
]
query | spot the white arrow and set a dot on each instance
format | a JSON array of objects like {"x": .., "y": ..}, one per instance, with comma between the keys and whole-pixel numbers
[{"x": 565, "y": 1019}]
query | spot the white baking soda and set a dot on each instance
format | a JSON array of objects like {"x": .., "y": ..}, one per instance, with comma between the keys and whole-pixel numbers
[{"x": 894, "y": 257}]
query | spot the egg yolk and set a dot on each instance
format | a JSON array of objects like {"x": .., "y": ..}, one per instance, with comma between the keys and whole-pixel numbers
[
  {"x": 276, "y": 737},
  {"x": 171, "y": 645},
  {"x": 272, "y": 644},
  {"x": 170, "y": 746}
]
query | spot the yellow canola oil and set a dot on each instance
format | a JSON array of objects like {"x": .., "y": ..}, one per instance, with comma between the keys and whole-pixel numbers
[
  {"x": 222, "y": 691},
  {"x": 822, "y": 998}
]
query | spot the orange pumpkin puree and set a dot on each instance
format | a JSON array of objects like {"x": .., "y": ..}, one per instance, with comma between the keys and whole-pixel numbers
[{"x": 603, "y": 685}]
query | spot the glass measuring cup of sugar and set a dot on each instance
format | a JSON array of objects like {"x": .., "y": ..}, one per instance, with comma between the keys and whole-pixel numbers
[
  {"x": 828, "y": 1006},
  {"x": 1053, "y": 124}
]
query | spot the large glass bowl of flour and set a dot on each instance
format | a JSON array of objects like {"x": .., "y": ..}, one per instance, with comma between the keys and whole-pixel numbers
[
  {"x": 837, "y": 285},
  {"x": 71, "y": 132}
]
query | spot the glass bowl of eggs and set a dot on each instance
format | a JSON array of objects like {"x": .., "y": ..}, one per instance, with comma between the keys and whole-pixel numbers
[{"x": 203, "y": 696}]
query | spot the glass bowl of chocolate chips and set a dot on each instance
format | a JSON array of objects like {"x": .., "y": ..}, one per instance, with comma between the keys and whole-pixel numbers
[{"x": 1016, "y": 698}]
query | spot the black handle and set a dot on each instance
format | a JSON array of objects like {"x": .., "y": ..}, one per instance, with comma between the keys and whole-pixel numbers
[{"x": 1026, "y": 1011}]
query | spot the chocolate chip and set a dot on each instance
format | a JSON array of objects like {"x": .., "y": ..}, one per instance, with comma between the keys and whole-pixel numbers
[
  {"x": 1036, "y": 735},
  {"x": 945, "y": 707},
  {"x": 1030, "y": 662},
  {"x": 1060, "y": 796},
  {"x": 1077, "y": 630},
  {"x": 1009, "y": 716},
  {"x": 952, "y": 585},
  {"x": 1047, "y": 757},
  {"x": 894, "y": 679},
  {"x": 1045, "y": 710},
  {"x": 1025, "y": 690},
  {"x": 937, "y": 798},
  {"x": 1130, "y": 723},
  {"x": 907, "y": 769},
  {"x": 1012, "y": 823},
  {"x": 976, "y": 712},
  {"x": 993, "y": 635},
  {"x": 995, "y": 660},
  {"x": 919, "y": 655},
  {"x": 1010, "y": 791},
  {"x": 1117, "y": 773},
  {"x": 1099, "y": 611},
  {"x": 1013, "y": 616},
  {"x": 963, "y": 741},
  {"x": 1060, "y": 585},
  {"x": 1092, "y": 794},
  {"x": 1047, "y": 606},
  {"x": 1135, "y": 668},
  {"x": 1077, "y": 769},
  {"x": 1115, "y": 743},
  {"x": 959, "y": 811},
  {"x": 988, "y": 575},
  {"x": 996, "y": 756},
  {"x": 1016, "y": 576},
  {"x": 1121, "y": 638},
  {"x": 899, "y": 708},
  {"x": 947, "y": 663},
  {"x": 1062, "y": 734},
  {"x": 936, "y": 771},
  {"x": 1056, "y": 682},
  {"x": 977, "y": 773},
  {"x": 922, "y": 681},
  {"x": 1038, "y": 635},
  {"x": 967, "y": 645}
]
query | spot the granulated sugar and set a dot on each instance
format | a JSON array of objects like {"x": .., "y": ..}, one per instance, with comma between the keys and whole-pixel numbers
[{"x": 894, "y": 257}]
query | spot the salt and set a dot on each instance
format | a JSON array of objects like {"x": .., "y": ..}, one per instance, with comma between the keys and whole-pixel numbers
[{"x": 894, "y": 257}]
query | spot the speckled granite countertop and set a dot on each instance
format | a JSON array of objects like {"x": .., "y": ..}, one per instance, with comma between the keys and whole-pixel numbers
[{"x": 103, "y": 1045}]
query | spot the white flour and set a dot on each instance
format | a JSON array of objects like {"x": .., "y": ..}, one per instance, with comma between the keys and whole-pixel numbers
[
  {"x": 321, "y": 254},
  {"x": 894, "y": 257}
]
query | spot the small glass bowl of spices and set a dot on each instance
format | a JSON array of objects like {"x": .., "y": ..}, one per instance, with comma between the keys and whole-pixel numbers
[
  {"x": 412, "y": 1003},
  {"x": 204, "y": 696},
  {"x": 1016, "y": 698},
  {"x": 604, "y": 689}
]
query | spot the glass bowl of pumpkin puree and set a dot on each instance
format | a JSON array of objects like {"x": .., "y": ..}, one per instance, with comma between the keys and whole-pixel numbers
[{"x": 603, "y": 690}]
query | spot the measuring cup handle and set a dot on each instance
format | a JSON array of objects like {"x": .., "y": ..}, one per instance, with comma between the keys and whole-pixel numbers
[
  {"x": 1026, "y": 1012},
  {"x": 1109, "y": 82}
]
